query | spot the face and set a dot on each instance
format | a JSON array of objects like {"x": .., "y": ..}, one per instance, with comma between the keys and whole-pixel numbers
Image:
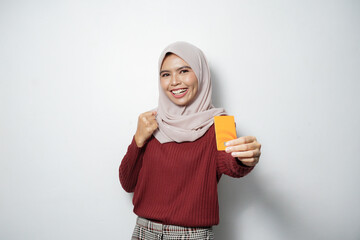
[{"x": 178, "y": 80}]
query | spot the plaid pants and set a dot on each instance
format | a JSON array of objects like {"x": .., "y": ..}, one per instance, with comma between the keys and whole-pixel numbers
[{"x": 148, "y": 230}]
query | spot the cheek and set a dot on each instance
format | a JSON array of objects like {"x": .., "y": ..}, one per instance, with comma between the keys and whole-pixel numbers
[
  {"x": 193, "y": 82},
  {"x": 163, "y": 84},
  {"x": 195, "y": 89}
]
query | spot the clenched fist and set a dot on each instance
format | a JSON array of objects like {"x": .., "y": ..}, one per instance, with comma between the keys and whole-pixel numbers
[{"x": 146, "y": 126}]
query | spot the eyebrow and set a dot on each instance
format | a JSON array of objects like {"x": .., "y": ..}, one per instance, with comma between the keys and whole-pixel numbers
[{"x": 176, "y": 69}]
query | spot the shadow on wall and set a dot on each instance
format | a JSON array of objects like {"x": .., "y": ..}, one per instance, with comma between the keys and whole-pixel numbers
[{"x": 236, "y": 196}]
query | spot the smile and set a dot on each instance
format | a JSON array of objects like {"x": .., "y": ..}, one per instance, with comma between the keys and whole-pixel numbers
[{"x": 178, "y": 93}]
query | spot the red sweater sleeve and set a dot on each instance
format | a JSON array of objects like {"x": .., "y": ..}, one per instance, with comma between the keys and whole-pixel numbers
[
  {"x": 130, "y": 166},
  {"x": 226, "y": 164}
]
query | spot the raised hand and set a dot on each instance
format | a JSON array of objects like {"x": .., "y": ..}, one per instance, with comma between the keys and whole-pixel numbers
[{"x": 146, "y": 126}]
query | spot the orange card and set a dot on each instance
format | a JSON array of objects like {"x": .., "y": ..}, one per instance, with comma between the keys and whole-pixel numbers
[{"x": 224, "y": 130}]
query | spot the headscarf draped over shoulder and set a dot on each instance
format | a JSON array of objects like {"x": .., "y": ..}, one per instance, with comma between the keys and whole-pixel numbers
[{"x": 190, "y": 122}]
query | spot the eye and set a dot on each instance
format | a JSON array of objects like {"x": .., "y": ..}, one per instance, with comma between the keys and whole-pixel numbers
[
  {"x": 184, "y": 71},
  {"x": 165, "y": 75}
]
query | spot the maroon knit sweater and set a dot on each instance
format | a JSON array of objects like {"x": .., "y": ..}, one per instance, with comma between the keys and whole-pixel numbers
[{"x": 176, "y": 183}]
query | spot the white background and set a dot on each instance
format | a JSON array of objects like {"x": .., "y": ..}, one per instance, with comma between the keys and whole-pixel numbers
[{"x": 75, "y": 75}]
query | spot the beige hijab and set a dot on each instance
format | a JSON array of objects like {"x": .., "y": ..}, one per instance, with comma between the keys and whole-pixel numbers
[{"x": 186, "y": 123}]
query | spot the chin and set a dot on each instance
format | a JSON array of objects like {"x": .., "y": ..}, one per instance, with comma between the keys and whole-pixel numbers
[
  {"x": 179, "y": 103},
  {"x": 183, "y": 102}
]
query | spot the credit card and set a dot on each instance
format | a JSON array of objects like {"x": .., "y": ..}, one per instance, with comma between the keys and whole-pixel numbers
[{"x": 224, "y": 130}]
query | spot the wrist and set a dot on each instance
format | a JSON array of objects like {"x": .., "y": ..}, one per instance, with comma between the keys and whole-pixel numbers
[
  {"x": 139, "y": 141},
  {"x": 241, "y": 163}
]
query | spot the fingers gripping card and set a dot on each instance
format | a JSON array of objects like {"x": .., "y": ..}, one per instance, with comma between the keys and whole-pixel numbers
[{"x": 224, "y": 130}]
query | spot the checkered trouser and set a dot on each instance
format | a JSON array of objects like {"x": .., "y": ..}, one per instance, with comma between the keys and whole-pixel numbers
[{"x": 148, "y": 230}]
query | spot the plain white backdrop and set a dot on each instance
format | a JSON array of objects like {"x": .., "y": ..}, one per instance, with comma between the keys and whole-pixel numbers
[{"x": 75, "y": 75}]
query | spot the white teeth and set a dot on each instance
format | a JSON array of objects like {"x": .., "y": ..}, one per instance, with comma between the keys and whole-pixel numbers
[{"x": 180, "y": 91}]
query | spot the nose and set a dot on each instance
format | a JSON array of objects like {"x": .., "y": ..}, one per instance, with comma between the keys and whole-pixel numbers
[{"x": 175, "y": 80}]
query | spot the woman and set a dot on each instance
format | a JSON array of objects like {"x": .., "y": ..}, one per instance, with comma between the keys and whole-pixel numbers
[{"x": 172, "y": 164}]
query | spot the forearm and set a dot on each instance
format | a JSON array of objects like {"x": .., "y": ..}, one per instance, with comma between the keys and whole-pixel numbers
[
  {"x": 226, "y": 164},
  {"x": 130, "y": 166}
]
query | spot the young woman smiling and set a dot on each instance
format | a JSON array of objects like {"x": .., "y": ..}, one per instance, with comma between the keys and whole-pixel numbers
[
  {"x": 178, "y": 80},
  {"x": 172, "y": 164}
]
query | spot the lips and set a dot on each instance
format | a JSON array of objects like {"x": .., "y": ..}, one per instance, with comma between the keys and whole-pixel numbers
[{"x": 178, "y": 93}]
